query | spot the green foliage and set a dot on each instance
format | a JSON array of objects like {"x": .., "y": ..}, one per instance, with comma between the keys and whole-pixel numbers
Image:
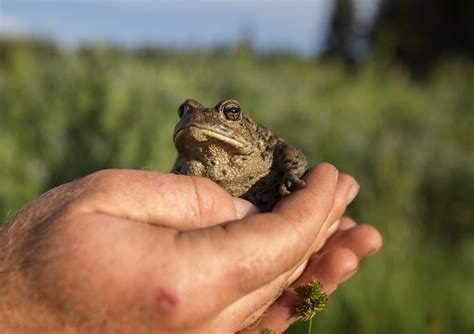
[
  {"x": 67, "y": 113},
  {"x": 311, "y": 299},
  {"x": 267, "y": 331}
]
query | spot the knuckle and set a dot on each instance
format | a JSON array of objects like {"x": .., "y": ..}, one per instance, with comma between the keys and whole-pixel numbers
[
  {"x": 243, "y": 273},
  {"x": 102, "y": 178}
]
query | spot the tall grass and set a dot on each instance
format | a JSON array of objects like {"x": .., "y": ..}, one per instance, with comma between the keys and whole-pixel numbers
[{"x": 67, "y": 113}]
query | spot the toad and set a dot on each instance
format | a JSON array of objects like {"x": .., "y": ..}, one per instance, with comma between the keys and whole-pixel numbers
[{"x": 227, "y": 146}]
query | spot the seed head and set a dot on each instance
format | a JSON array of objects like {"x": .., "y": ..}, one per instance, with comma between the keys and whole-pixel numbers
[{"x": 312, "y": 299}]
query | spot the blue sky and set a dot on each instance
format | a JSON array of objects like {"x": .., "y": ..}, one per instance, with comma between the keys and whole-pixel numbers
[{"x": 296, "y": 25}]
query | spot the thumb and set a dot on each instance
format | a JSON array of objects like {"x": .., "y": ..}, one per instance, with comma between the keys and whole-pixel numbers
[{"x": 169, "y": 200}]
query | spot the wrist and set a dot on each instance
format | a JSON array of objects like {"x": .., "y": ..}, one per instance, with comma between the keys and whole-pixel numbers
[{"x": 21, "y": 309}]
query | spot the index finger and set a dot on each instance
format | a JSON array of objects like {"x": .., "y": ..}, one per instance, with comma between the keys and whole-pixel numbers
[{"x": 251, "y": 252}]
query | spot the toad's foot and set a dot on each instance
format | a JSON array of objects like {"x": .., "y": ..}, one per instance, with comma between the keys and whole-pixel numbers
[{"x": 291, "y": 179}]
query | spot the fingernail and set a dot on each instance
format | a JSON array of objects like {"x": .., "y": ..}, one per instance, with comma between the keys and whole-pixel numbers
[
  {"x": 336, "y": 175},
  {"x": 349, "y": 274},
  {"x": 352, "y": 192},
  {"x": 333, "y": 228},
  {"x": 372, "y": 251},
  {"x": 244, "y": 208}
]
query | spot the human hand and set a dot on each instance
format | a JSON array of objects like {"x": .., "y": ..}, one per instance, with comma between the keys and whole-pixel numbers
[
  {"x": 335, "y": 263},
  {"x": 122, "y": 251}
]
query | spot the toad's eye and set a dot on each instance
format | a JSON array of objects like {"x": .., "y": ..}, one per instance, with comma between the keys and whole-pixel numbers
[{"x": 232, "y": 113}]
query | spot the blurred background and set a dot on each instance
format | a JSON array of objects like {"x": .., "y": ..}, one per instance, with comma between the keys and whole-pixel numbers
[{"x": 382, "y": 89}]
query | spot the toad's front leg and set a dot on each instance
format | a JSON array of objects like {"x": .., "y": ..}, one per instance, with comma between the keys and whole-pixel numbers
[{"x": 293, "y": 165}]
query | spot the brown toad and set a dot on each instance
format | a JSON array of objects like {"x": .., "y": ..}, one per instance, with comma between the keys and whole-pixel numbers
[{"x": 229, "y": 147}]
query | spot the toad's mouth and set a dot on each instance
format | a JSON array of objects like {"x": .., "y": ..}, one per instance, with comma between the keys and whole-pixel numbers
[{"x": 200, "y": 132}]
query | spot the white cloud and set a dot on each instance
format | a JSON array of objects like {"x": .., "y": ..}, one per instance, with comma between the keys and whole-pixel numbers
[{"x": 12, "y": 25}]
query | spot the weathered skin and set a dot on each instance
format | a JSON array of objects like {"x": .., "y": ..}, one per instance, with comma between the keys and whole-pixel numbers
[{"x": 230, "y": 148}]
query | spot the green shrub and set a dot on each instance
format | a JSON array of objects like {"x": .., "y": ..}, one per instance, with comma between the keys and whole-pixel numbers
[{"x": 67, "y": 113}]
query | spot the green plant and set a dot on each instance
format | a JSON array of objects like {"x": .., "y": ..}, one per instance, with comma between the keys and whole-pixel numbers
[{"x": 311, "y": 301}]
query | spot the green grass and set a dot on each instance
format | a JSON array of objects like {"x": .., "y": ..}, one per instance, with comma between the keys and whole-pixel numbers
[{"x": 64, "y": 114}]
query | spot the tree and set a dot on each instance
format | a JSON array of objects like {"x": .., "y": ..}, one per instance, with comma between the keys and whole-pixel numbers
[
  {"x": 416, "y": 33},
  {"x": 424, "y": 31}
]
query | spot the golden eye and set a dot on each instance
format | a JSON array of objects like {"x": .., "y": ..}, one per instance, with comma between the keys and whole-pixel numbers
[{"x": 232, "y": 113}]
